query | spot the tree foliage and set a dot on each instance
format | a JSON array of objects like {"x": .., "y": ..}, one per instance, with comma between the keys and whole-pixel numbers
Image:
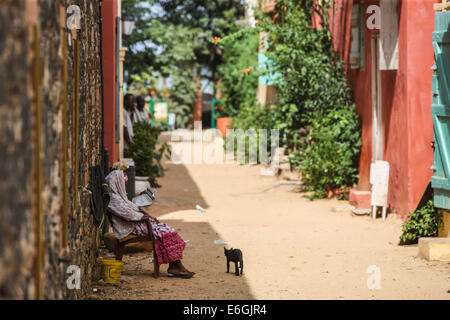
[
  {"x": 311, "y": 77},
  {"x": 172, "y": 40},
  {"x": 141, "y": 51},
  {"x": 215, "y": 18},
  {"x": 179, "y": 62},
  {"x": 315, "y": 113},
  {"x": 238, "y": 74}
]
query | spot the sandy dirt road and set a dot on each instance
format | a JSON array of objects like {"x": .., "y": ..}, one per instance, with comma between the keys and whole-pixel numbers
[{"x": 293, "y": 248}]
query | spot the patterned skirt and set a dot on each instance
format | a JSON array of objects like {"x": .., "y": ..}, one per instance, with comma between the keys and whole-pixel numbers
[{"x": 169, "y": 246}]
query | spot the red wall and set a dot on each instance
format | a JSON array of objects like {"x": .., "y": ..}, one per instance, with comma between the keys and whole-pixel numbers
[
  {"x": 109, "y": 14},
  {"x": 406, "y": 99},
  {"x": 420, "y": 60}
]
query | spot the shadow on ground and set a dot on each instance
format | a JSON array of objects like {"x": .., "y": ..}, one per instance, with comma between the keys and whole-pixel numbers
[{"x": 179, "y": 192}]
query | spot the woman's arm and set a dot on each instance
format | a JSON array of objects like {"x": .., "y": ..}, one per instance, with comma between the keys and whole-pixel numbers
[
  {"x": 128, "y": 216},
  {"x": 147, "y": 216}
]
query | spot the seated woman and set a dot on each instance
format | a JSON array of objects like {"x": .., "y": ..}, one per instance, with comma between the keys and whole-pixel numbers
[{"x": 169, "y": 245}]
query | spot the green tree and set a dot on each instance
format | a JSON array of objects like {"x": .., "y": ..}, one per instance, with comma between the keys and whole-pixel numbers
[
  {"x": 311, "y": 77},
  {"x": 178, "y": 61},
  {"x": 315, "y": 113},
  {"x": 172, "y": 39},
  {"x": 215, "y": 18},
  {"x": 141, "y": 51},
  {"x": 238, "y": 74}
]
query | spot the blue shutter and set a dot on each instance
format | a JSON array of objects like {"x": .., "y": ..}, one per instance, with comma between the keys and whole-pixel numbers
[{"x": 441, "y": 111}]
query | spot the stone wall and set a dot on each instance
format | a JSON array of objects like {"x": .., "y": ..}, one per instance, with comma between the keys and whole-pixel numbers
[
  {"x": 32, "y": 193},
  {"x": 16, "y": 227}
]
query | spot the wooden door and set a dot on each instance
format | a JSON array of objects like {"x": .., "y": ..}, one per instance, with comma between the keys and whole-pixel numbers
[{"x": 441, "y": 111}]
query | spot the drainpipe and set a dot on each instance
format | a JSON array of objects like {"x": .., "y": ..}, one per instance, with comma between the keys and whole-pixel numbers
[{"x": 104, "y": 151}]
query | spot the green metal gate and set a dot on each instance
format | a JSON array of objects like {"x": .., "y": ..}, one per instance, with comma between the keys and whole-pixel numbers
[{"x": 441, "y": 111}]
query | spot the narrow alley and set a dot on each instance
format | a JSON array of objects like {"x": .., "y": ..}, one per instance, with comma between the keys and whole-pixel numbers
[
  {"x": 147, "y": 146},
  {"x": 293, "y": 248}
]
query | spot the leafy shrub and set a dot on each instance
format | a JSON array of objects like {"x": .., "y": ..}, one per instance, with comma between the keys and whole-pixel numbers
[
  {"x": 311, "y": 74},
  {"x": 423, "y": 222},
  {"x": 315, "y": 115},
  {"x": 312, "y": 77},
  {"x": 273, "y": 117},
  {"x": 144, "y": 151},
  {"x": 329, "y": 159},
  {"x": 252, "y": 117}
]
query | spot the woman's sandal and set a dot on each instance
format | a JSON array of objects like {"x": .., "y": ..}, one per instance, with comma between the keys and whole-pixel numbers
[{"x": 180, "y": 275}]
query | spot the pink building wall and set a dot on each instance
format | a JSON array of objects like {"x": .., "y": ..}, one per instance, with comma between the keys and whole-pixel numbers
[{"x": 406, "y": 107}]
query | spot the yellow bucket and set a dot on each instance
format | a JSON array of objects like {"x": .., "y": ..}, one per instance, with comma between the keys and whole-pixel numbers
[{"x": 111, "y": 271}]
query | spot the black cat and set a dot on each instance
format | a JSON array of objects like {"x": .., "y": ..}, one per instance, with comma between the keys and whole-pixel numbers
[{"x": 234, "y": 255}]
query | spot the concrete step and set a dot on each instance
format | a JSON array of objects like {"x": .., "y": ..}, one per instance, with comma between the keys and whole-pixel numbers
[
  {"x": 435, "y": 249},
  {"x": 360, "y": 199}
]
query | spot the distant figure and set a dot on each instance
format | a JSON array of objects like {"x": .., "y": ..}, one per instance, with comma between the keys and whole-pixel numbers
[
  {"x": 141, "y": 113},
  {"x": 128, "y": 117}
]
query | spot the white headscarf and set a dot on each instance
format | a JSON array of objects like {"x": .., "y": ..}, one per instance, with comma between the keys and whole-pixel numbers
[
  {"x": 128, "y": 123},
  {"x": 121, "y": 206}
]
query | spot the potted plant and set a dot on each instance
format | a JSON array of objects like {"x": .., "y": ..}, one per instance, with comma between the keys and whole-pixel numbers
[
  {"x": 145, "y": 152},
  {"x": 224, "y": 122}
]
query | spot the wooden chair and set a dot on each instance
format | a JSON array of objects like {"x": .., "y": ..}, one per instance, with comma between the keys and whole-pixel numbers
[{"x": 120, "y": 245}]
